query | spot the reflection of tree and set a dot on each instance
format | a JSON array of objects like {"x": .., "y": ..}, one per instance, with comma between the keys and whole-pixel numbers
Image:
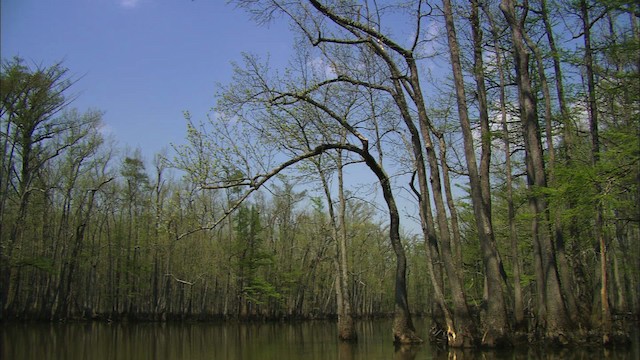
[
  {"x": 406, "y": 351},
  {"x": 346, "y": 350}
]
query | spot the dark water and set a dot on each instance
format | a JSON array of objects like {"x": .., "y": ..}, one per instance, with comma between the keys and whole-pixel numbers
[{"x": 278, "y": 341}]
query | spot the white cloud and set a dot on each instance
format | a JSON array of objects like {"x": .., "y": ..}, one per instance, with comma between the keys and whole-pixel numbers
[
  {"x": 105, "y": 129},
  {"x": 428, "y": 45},
  {"x": 129, "y": 4},
  {"x": 322, "y": 68}
]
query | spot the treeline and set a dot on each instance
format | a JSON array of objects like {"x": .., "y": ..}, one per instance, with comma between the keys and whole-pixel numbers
[
  {"x": 517, "y": 150},
  {"x": 92, "y": 232}
]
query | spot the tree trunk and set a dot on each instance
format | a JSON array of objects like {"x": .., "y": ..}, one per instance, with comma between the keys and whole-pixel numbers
[
  {"x": 456, "y": 241},
  {"x": 496, "y": 326},
  {"x": 595, "y": 158},
  {"x": 462, "y": 331},
  {"x": 564, "y": 269},
  {"x": 556, "y": 324},
  {"x": 518, "y": 303},
  {"x": 459, "y": 332},
  {"x": 403, "y": 329},
  {"x": 346, "y": 327}
]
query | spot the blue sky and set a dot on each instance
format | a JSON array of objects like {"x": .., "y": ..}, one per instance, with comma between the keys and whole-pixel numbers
[
  {"x": 142, "y": 62},
  {"x": 145, "y": 62}
]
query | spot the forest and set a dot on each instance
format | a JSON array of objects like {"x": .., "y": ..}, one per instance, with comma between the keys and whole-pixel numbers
[{"x": 507, "y": 132}]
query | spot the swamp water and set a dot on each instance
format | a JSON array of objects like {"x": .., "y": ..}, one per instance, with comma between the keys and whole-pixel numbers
[{"x": 270, "y": 340}]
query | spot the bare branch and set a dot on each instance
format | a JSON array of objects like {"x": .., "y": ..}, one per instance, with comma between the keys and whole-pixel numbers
[
  {"x": 259, "y": 180},
  {"x": 352, "y": 25}
]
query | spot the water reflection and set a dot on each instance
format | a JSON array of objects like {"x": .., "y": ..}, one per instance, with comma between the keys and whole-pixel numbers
[
  {"x": 304, "y": 340},
  {"x": 406, "y": 352}
]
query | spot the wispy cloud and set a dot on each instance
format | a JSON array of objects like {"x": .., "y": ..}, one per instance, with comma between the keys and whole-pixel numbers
[
  {"x": 129, "y": 4},
  {"x": 322, "y": 68}
]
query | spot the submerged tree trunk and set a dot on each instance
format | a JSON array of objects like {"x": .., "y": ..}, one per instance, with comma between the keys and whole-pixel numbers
[
  {"x": 563, "y": 264},
  {"x": 518, "y": 303},
  {"x": 432, "y": 248},
  {"x": 595, "y": 158},
  {"x": 378, "y": 44},
  {"x": 496, "y": 326},
  {"x": 461, "y": 330},
  {"x": 556, "y": 324},
  {"x": 403, "y": 328},
  {"x": 346, "y": 327},
  {"x": 460, "y": 327}
]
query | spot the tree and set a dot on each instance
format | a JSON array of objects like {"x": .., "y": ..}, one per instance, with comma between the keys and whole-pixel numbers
[
  {"x": 251, "y": 259},
  {"x": 552, "y": 311},
  {"x": 346, "y": 326},
  {"x": 31, "y": 99},
  {"x": 496, "y": 324},
  {"x": 254, "y": 96},
  {"x": 136, "y": 196},
  {"x": 80, "y": 185},
  {"x": 518, "y": 304}
]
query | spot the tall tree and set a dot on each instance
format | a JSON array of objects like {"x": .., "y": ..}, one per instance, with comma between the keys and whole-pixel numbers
[
  {"x": 31, "y": 99},
  {"x": 135, "y": 195},
  {"x": 496, "y": 327},
  {"x": 518, "y": 302},
  {"x": 553, "y": 315},
  {"x": 337, "y": 117}
]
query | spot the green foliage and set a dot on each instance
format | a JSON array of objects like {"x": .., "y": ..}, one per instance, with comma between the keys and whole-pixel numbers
[
  {"x": 259, "y": 291},
  {"x": 250, "y": 257},
  {"x": 40, "y": 263}
]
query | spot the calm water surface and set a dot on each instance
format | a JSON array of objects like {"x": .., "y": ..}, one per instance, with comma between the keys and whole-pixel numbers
[{"x": 281, "y": 341}]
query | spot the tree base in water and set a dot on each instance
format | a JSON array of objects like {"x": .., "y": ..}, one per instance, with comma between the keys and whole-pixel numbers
[
  {"x": 406, "y": 337},
  {"x": 494, "y": 338},
  {"x": 460, "y": 339},
  {"x": 347, "y": 335}
]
